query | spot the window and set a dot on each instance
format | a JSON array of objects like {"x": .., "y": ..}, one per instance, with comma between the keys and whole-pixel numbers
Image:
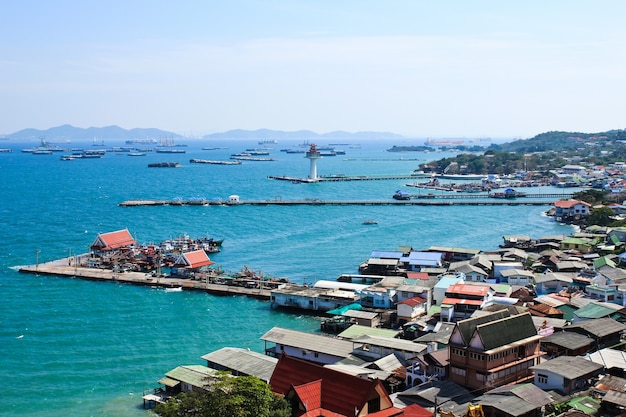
[
  {"x": 542, "y": 378},
  {"x": 457, "y": 371}
]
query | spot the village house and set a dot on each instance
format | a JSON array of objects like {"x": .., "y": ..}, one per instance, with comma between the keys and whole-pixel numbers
[
  {"x": 565, "y": 374},
  {"x": 186, "y": 378},
  {"x": 518, "y": 277},
  {"x": 521, "y": 400},
  {"x": 500, "y": 266},
  {"x": 416, "y": 261},
  {"x": 493, "y": 349},
  {"x": 307, "y": 346},
  {"x": 426, "y": 366},
  {"x": 241, "y": 362},
  {"x": 565, "y": 209},
  {"x": 566, "y": 344},
  {"x": 451, "y": 254},
  {"x": 318, "y": 390},
  {"x": 440, "y": 289},
  {"x": 374, "y": 347},
  {"x": 552, "y": 282},
  {"x": 386, "y": 263},
  {"x": 472, "y": 273},
  {"x": 580, "y": 244},
  {"x": 410, "y": 309},
  {"x": 606, "y": 332},
  {"x": 462, "y": 300}
]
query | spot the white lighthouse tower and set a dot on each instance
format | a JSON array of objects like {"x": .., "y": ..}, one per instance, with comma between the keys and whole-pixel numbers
[{"x": 313, "y": 155}]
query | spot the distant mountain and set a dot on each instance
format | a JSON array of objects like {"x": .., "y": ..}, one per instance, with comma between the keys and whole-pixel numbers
[
  {"x": 266, "y": 134},
  {"x": 69, "y": 132}
]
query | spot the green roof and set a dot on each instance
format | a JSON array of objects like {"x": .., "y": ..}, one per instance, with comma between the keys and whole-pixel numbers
[
  {"x": 594, "y": 311},
  {"x": 195, "y": 375},
  {"x": 506, "y": 331},
  {"x": 586, "y": 404},
  {"x": 568, "y": 311},
  {"x": 341, "y": 310},
  {"x": 356, "y": 330}
]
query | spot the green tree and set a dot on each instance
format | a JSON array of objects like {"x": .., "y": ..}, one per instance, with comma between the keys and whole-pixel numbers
[
  {"x": 227, "y": 396},
  {"x": 592, "y": 196},
  {"x": 602, "y": 216}
]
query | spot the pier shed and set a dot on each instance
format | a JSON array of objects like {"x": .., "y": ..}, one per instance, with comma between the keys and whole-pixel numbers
[
  {"x": 106, "y": 242},
  {"x": 189, "y": 263}
]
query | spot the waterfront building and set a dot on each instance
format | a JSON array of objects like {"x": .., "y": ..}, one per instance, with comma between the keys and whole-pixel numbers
[
  {"x": 241, "y": 362},
  {"x": 439, "y": 292},
  {"x": 189, "y": 263},
  {"x": 452, "y": 254},
  {"x": 306, "y": 346},
  {"x": 312, "y": 298},
  {"x": 567, "y": 209}
]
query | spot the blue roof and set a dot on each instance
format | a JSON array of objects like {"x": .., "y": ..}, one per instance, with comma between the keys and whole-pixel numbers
[
  {"x": 386, "y": 254},
  {"x": 445, "y": 282}
]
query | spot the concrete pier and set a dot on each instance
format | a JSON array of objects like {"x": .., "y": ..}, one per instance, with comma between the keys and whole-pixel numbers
[{"x": 62, "y": 268}]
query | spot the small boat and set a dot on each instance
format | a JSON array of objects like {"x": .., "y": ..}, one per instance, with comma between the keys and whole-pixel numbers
[
  {"x": 370, "y": 222},
  {"x": 173, "y": 289},
  {"x": 136, "y": 154}
]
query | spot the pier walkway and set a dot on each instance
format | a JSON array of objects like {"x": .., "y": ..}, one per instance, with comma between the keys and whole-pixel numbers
[
  {"x": 62, "y": 268},
  {"x": 415, "y": 200}
]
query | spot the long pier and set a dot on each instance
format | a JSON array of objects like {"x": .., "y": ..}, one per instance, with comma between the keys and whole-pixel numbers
[
  {"x": 415, "y": 200},
  {"x": 62, "y": 268},
  {"x": 335, "y": 178}
]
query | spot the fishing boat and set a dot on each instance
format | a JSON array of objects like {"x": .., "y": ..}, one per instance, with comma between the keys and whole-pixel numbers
[
  {"x": 367, "y": 222},
  {"x": 214, "y": 162},
  {"x": 173, "y": 289}
]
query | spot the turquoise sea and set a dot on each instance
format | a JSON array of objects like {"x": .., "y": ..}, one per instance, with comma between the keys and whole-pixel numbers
[{"x": 77, "y": 348}]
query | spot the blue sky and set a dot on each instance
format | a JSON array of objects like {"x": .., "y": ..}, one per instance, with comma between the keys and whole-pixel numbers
[{"x": 496, "y": 69}]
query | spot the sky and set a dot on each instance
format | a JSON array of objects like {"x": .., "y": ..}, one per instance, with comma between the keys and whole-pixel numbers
[{"x": 455, "y": 68}]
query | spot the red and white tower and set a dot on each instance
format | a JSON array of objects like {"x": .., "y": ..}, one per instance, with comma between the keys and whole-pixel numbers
[{"x": 313, "y": 155}]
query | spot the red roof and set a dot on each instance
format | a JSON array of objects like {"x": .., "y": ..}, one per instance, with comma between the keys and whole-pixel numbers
[
  {"x": 418, "y": 275},
  {"x": 412, "y": 301},
  {"x": 340, "y": 393},
  {"x": 310, "y": 394},
  {"x": 113, "y": 240},
  {"x": 415, "y": 410},
  {"x": 455, "y": 301},
  {"x": 388, "y": 412},
  {"x": 195, "y": 259}
]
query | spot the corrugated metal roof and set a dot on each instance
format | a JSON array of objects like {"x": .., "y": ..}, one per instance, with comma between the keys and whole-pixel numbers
[
  {"x": 195, "y": 375},
  {"x": 571, "y": 367},
  {"x": 243, "y": 361},
  {"x": 397, "y": 344},
  {"x": 312, "y": 342},
  {"x": 356, "y": 331}
]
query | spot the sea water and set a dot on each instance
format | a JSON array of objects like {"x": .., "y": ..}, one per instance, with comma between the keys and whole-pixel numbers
[{"x": 79, "y": 348}]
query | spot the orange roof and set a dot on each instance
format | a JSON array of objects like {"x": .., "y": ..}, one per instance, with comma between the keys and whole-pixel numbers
[
  {"x": 455, "y": 301},
  {"x": 195, "y": 259},
  {"x": 569, "y": 203},
  {"x": 310, "y": 394},
  {"x": 113, "y": 240},
  {"x": 480, "y": 290}
]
